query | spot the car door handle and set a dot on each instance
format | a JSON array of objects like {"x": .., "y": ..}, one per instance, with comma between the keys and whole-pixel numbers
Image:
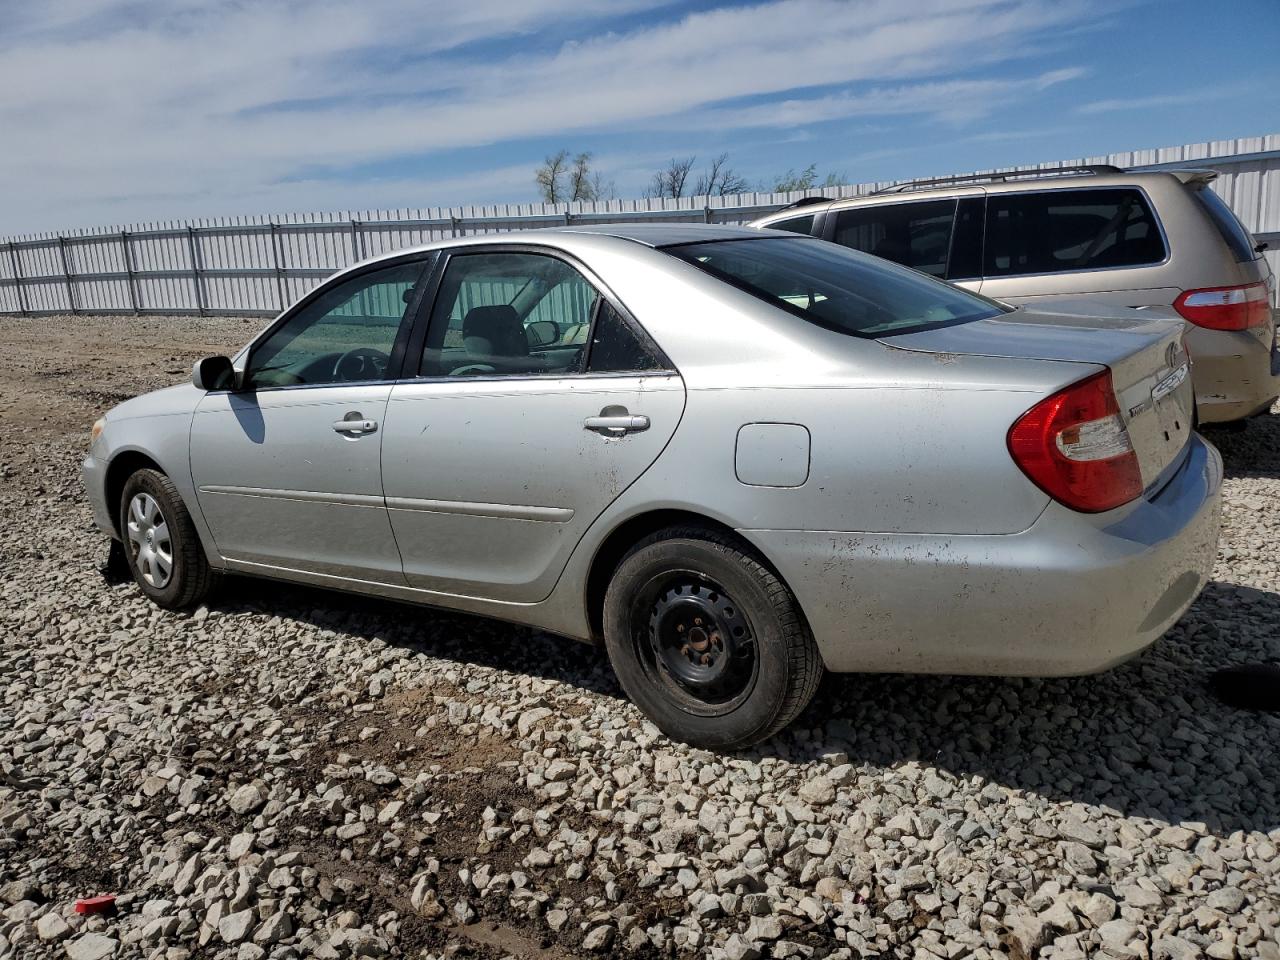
[
  {"x": 355, "y": 426},
  {"x": 617, "y": 424}
]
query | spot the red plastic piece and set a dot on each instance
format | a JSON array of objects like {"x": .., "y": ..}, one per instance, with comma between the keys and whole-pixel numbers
[{"x": 96, "y": 904}]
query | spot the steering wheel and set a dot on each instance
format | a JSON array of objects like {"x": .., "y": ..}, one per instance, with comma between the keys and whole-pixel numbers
[
  {"x": 472, "y": 368},
  {"x": 362, "y": 363}
]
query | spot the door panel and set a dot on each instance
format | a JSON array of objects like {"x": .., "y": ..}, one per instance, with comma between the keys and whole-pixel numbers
[
  {"x": 491, "y": 483},
  {"x": 279, "y": 485}
]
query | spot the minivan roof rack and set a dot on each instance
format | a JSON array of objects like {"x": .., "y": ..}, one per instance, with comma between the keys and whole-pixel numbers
[
  {"x": 1000, "y": 177},
  {"x": 805, "y": 202}
]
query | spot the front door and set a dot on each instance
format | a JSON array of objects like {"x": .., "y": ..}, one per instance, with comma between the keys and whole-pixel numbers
[
  {"x": 537, "y": 403},
  {"x": 287, "y": 469}
]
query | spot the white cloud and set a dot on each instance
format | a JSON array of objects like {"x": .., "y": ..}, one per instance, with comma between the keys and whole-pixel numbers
[
  {"x": 118, "y": 110},
  {"x": 1159, "y": 100}
]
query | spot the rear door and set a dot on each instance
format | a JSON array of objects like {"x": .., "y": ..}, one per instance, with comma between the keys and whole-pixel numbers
[{"x": 536, "y": 402}]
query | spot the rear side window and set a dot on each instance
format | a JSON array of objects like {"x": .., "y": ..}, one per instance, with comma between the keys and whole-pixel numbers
[
  {"x": 1063, "y": 230},
  {"x": 616, "y": 348},
  {"x": 836, "y": 288},
  {"x": 794, "y": 225},
  {"x": 1233, "y": 231},
  {"x": 916, "y": 235}
]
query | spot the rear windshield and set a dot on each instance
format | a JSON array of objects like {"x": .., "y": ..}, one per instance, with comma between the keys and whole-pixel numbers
[
  {"x": 835, "y": 287},
  {"x": 1232, "y": 230}
]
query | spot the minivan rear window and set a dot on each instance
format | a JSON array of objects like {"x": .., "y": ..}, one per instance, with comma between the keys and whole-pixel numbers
[
  {"x": 835, "y": 287},
  {"x": 1054, "y": 231},
  {"x": 1233, "y": 231}
]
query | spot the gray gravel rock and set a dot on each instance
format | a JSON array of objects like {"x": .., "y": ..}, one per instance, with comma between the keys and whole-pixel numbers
[
  {"x": 288, "y": 773},
  {"x": 92, "y": 946}
]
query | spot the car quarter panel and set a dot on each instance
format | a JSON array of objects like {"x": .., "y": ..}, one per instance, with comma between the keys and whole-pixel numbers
[{"x": 1070, "y": 595}]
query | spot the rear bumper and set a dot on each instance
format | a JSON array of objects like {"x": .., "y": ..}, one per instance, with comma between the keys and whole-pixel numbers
[
  {"x": 1235, "y": 373},
  {"x": 1072, "y": 594}
]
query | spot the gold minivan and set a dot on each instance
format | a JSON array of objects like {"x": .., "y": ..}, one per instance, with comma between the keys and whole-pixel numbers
[{"x": 1134, "y": 238}]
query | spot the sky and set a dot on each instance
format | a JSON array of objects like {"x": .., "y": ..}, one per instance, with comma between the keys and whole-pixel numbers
[{"x": 128, "y": 111}]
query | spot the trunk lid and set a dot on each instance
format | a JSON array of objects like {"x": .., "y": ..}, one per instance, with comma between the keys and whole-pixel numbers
[{"x": 1150, "y": 369}]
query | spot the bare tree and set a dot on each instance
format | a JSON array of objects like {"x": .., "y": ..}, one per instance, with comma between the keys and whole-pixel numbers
[
  {"x": 561, "y": 179},
  {"x": 670, "y": 181},
  {"x": 602, "y": 189},
  {"x": 580, "y": 178},
  {"x": 550, "y": 176},
  {"x": 719, "y": 180}
]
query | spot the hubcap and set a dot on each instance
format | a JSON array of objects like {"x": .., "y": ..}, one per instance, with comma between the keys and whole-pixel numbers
[
  {"x": 149, "y": 543},
  {"x": 701, "y": 642}
]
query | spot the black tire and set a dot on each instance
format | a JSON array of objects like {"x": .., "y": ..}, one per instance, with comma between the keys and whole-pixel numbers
[
  {"x": 707, "y": 641},
  {"x": 190, "y": 578}
]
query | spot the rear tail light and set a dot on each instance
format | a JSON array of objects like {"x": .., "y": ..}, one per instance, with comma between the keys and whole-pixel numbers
[
  {"x": 1075, "y": 446},
  {"x": 1226, "y": 308}
]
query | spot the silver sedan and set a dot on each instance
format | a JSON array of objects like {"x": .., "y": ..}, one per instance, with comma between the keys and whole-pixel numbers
[{"x": 737, "y": 458}]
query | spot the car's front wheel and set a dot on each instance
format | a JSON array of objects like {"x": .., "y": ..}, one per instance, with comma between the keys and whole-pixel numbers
[
  {"x": 707, "y": 641},
  {"x": 161, "y": 545}
]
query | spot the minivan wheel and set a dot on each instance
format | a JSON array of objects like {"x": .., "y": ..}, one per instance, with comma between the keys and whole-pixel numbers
[
  {"x": 707, "y": 641},
  {"x": 160, "y": 542}
]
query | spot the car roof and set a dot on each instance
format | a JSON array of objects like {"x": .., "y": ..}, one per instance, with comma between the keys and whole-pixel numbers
[
  {"x": 1021, "y": 183},
  {"x": 581, "y": 237},
  {"x": 663, "y": 234}
]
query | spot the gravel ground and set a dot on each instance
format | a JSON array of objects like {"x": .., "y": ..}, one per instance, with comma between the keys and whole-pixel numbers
[{"x": 292, "y": 773}]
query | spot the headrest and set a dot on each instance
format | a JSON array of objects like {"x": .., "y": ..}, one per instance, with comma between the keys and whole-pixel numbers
[{"x": 498, "y": 325}]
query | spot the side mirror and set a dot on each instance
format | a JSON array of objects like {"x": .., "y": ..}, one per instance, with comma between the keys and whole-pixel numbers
[
  {"x": 540, "y": 333},
  {"x": 213, "y": 373}
]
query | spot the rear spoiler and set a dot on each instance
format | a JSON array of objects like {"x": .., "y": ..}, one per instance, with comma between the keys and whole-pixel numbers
[{"x": 1191, "y": 176}]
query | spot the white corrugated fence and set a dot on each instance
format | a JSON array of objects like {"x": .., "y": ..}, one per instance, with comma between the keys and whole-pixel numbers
[{"x": 258, "y": 265}]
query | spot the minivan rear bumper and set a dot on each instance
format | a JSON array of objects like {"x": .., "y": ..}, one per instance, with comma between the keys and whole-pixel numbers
[
  {"x": 1072, "y": 594},
  {"x": 1234, "y": 372}
]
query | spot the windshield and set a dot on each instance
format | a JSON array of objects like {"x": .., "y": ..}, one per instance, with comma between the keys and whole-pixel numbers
[{"x": 835, "y": 287}]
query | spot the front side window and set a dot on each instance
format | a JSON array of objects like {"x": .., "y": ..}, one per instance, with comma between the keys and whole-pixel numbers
[
  {"x": 345, "y": 335},
  {"x": 835, "y": 287},
  {"x": 916, "y": 235},
  {"x": 1060, "y": 230},
  {"x": 521, "y": 314}
]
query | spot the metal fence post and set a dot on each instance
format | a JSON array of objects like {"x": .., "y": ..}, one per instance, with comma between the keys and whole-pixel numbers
[
  {"x": 275, "y": 249},
  {"x": 131, "y": 282},
  {"x": 568, "y": 217},
  {"x": 17, "y": 279},
  {"x": 195, "y": 269},
  {"x": 66, "y": 275},
  {"x": 455, "y": 226},
  {"x": 355, "y": 242},
  {"x": 706, "y": 215}
]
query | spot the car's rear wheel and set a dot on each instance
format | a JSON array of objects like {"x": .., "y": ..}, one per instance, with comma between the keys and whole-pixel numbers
[
  {"x": 707, "y": 641},
  {"x": 161, "y": 545}
]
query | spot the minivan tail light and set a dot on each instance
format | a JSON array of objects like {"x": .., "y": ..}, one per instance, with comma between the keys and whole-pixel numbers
[
  {"x": 1074, "y": 446},
  {"x": 1226, "y": 308}
]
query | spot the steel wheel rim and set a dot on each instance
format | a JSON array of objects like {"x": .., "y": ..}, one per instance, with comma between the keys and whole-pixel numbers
[
  {"x": 150, "y": 545},
  {"x": 695, "y": 642}
]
